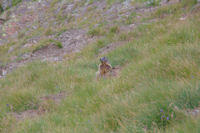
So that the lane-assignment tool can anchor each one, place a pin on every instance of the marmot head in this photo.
(103, 60)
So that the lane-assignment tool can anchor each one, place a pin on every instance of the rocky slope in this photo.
(32, 25)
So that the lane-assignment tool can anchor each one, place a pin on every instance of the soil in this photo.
(43, 107)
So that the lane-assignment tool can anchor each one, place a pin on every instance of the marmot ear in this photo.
(102, 59)
(105, 59)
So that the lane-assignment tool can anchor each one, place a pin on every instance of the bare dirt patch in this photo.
(56, 97)
(110, 47)
(44, 106)
(193, 112)
(50, 52)
(3, 71)
(115, 71)
(74, 40)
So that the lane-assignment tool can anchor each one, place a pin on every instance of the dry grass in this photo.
(159, 79)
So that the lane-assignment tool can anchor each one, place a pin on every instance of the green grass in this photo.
(158, 82)
(20, 101)
(15, 2)
(114, 29)
(1, 9)
(96, 32)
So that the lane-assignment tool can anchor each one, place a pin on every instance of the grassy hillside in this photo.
(156, 90)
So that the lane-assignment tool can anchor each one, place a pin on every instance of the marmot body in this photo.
(105, 69)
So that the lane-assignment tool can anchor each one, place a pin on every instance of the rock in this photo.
(26, 56)
(126, 3)
(164, 2)
(34, 27)
(4, 35)
(3, 71)
(132, 25)
(173, 1)
(13, 58)
(27, 45)
(1, 42)
(10, 49)
(183, 18)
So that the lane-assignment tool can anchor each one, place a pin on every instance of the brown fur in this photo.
(105, 69)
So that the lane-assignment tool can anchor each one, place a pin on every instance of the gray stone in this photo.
(27, 45)
(132, 25)
(3, 71)
(10, 49)
(26, 56)
(164, 2)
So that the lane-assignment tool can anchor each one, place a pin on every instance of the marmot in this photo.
(105, 69)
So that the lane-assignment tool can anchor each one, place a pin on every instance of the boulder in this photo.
(3, 71)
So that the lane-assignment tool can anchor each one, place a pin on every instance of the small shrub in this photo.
(95, 32)
(46, 43)
(123, 37)
(48, 32)
(57, 43)
(130, 18)
(21, 35)
(114, 29)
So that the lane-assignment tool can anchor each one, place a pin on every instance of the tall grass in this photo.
(158, 81)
